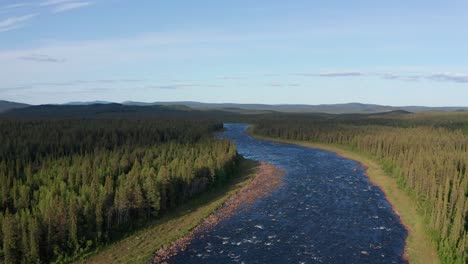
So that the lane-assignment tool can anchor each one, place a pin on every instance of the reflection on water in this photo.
(325, 212)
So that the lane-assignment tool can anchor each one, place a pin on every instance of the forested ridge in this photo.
(68, 185)
(427, 154)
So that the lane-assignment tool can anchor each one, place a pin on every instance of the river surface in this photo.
(326, 211)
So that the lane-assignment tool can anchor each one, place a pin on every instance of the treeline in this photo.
(32, 140)
(429, 161)
(69, 185)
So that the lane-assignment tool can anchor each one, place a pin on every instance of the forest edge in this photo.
(255, 180)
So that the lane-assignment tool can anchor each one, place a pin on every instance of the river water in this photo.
(326, 211)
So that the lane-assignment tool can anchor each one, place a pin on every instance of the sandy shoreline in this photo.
(267, 179)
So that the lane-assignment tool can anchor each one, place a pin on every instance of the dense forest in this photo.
(76, 177)
(427, 153)
(69, 183)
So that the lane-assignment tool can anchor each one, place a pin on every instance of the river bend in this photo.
(326, 211)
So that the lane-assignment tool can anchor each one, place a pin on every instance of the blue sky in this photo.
(299, 51)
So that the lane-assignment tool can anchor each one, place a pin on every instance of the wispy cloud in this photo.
(449, 77)
(178, 86)
(53, 6)
(278, 84)
(333, 74)
(91, 55)
(441, 77)
(59, 6)
(169, 87)
(390, 76)
(6, 29)
(107, 84)
(15, 89)
(15, 22)
(270, 75)
(393, 76)
(67, 6)
(340, 74)
(232, 78)
(41, 58)
(71, 83)
(15, 6)
(81, 82)
(55, 2)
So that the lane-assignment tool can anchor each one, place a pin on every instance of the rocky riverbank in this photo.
(267, 179)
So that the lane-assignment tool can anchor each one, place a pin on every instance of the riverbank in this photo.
(418, 248)
(174, 231)
(267, 179)
(140, 246)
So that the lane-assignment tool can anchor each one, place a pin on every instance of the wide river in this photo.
(326, 211)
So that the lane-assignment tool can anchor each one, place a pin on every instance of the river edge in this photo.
(140, 246)
(267, 178)
(418, 246)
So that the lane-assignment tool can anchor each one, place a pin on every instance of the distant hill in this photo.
(88, 103)
(113, 110)
(349, 108)
(6, 105)
(357, 108)
(93, 111)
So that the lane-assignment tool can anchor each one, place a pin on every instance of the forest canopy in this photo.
(70, 183)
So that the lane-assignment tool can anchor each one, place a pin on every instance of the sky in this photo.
(396, 52)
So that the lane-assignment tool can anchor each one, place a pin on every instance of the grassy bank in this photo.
(419, 248)
(140, 246)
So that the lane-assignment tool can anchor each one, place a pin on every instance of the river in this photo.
(326, 211)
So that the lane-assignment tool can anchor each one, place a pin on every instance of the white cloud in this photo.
(54, 6)
(146, 47)
(171, 86)
(74, 83)
(15, 22)
(69, 6)
(59, 6)
(5, 29)
(340, 74)
(158, 52)
(41, 58)
(333, 74)
(94, 86)
(441, 77)
(278, 84)
(401, 77)
(450, 77)
(232, 78)
(15, 6)
(55, 2)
